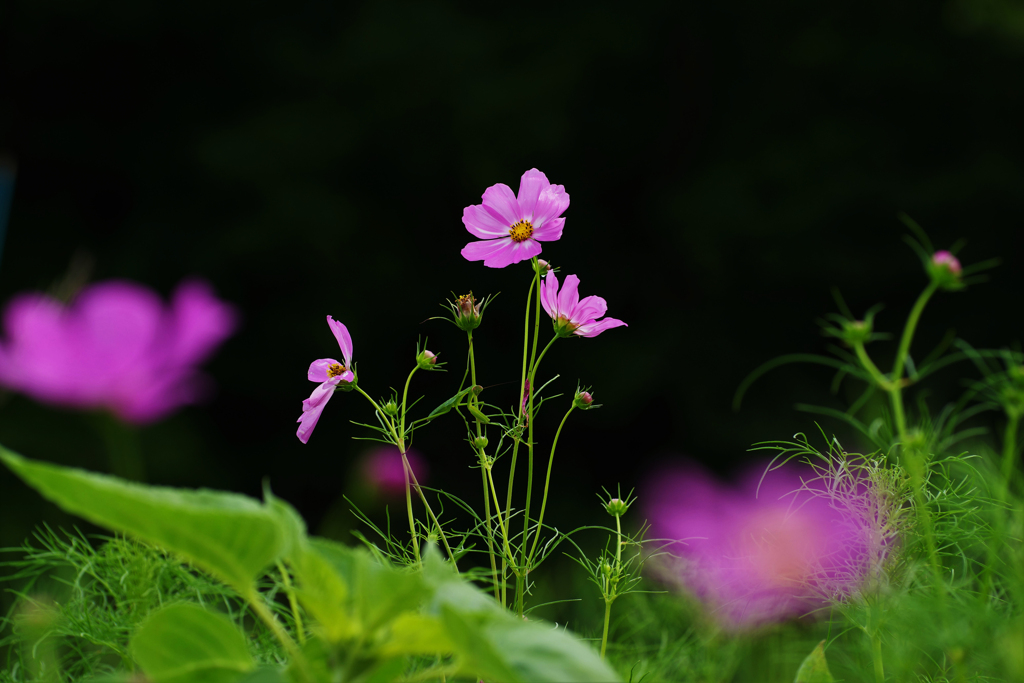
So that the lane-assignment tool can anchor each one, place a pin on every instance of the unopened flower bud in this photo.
(543, 267)
(616, 507)
(857, 331)
(480, 442)
(391, 408)
(468, 311)
(945, 269)
(584, 401)
(426, 360)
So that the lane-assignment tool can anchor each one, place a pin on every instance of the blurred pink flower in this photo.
(755, 556)
(570, 315)
(945, 258)
(383, 469)
(512, 226)
(116, 346)
(330, 373)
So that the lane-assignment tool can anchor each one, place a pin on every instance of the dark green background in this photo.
(728, 162)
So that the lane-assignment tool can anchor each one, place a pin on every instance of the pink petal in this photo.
(549, 294)
(590, 308)
(551, 204)
(307, 421)
(531, 185)
(520, 251)
(569, 296)
(502, 203)
(199, 322)
(483, 224)
(549, 231)
(318, 369)
(322, 393)
(478, 251)
(344, 339)
(595, 328)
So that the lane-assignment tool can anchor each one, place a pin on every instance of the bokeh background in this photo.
(728, 163)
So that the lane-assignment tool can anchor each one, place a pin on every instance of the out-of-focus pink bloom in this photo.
(116, 346)
(570, 314)
(329, 373)
(384, 471)
(755, 556)
(513, 226)
(945, 258)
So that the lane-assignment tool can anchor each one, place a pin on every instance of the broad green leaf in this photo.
(185, 643)
(377, 593)
(496, 645)
(264, 674)
(815, 668)
(449, 404)
(231, 536)
(324, 594)
(416, 634)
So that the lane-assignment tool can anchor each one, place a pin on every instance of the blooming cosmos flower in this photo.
(571, 315)
(513, 226)
(116, 346)
(761, 551)
(330, 374)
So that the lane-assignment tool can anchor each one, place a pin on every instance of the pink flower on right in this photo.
(571, 315)
(761, 551)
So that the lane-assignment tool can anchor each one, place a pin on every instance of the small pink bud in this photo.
(945, 258)
(543, 267)
(426, 360)
(584, 401)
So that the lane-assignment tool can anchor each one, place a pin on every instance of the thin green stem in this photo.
(547, 484)
(535, 364)
(908, 330)
(483, 475)
(255, 601)
(426, 505)
(607, 619)
(618, 544)
(501, 522)
(286, 579)
(405, 397)
(1002, 493)
(1009, 453)
(876, 657)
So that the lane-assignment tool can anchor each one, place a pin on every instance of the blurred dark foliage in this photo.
(727, 162)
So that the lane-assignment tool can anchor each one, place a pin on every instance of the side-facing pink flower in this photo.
(116, 346)
(329, 373)
(513, 226)
(570, 314)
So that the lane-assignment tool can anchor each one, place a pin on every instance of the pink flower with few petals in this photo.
(570, 314)
(513, 226)
(116, 346)
(330, 374)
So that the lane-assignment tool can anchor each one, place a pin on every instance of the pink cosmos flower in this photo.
(329, 373)
(513, 226)
(383, 469)
(761, 551)
(116, 346)
(572, 315)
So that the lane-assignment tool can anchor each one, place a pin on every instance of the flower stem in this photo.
(483, 475)
(547, 484)
(286, 579)
(255, 601)
(876, 657)
(607, 619)
(1009, 453)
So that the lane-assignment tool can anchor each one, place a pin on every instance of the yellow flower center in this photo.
(335, 369)
(521, 231)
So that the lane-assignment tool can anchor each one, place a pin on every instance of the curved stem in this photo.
(286, 579)
(908, 331)
(607, 618)
(547, 484)
(255, 601)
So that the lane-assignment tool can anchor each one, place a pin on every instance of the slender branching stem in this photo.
(483, 475)
(547, 485)
(607, 619)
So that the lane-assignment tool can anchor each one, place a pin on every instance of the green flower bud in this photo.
(945, 270)
(616, 507)
(391, 408)
(543, 267)
(480, 442)
(426, 360)
(584, 401)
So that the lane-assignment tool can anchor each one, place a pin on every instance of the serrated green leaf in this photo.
(814, 668)
(184, 643)
(231, 536)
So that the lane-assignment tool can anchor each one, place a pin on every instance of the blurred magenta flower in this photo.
(330, 374)
(116, 346)
(945, 258)
(383, 469)
(570, 315)
(758, 555)
(513, 226)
